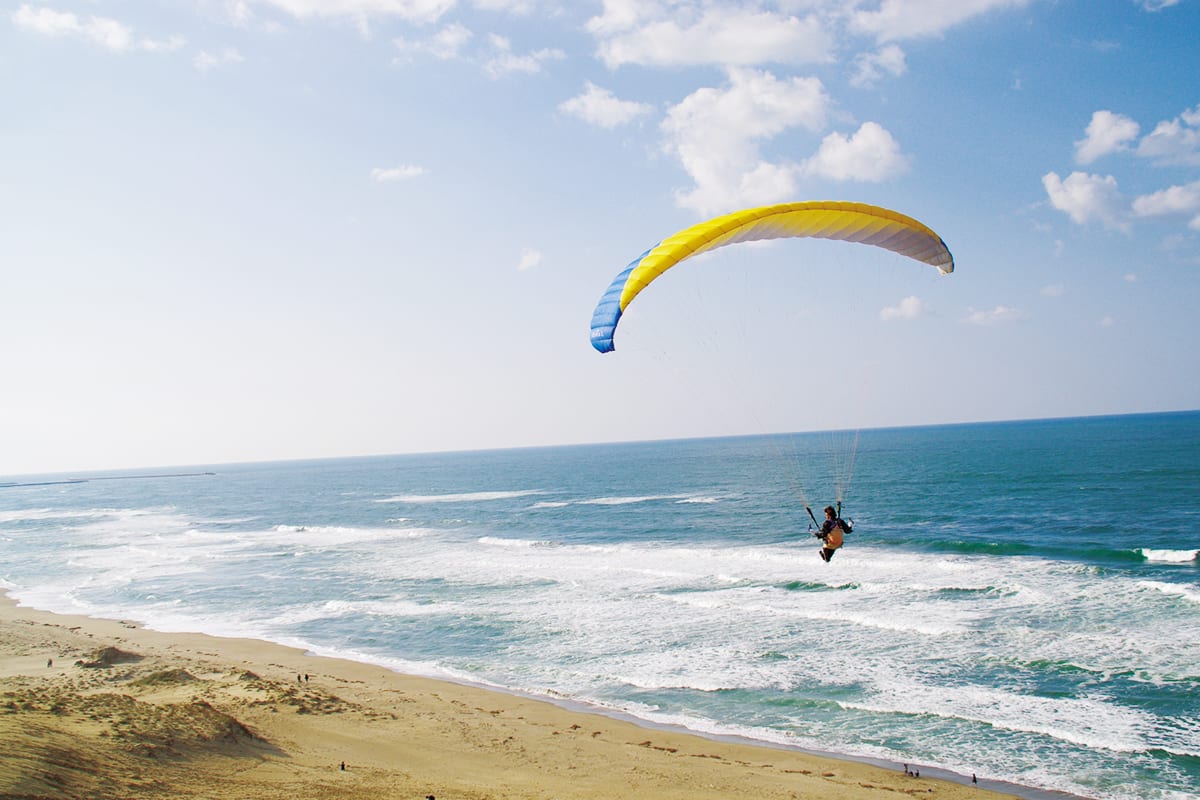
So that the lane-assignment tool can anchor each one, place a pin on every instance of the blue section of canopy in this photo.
(608, 310)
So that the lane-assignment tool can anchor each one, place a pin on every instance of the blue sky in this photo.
(268, 229)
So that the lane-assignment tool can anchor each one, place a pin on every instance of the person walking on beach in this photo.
(832, 533)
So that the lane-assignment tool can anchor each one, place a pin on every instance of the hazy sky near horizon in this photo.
(243, 230)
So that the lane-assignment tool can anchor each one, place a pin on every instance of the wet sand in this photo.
(93, 708)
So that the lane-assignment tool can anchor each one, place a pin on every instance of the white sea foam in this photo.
(39, 514)
(318, 530)
(1190, 593)
(499, 541)
(334, 534)
(1090, 722)
(630, 500)
(461, 497)
(1170, 556)
(334, 610)
(710, 727)
(130, 524)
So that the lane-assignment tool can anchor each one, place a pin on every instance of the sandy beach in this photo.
(94, 708)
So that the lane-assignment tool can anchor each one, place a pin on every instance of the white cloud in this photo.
(1053, 290)
(620, 15)
(497, 61)
(601, 107)
(444, 45)
(1091, 197)
(1130, 277)
(871, 154)
(362, 10)
(205, 61)
(238, 12)
(1106, 133)
(715, 134)
(651, 34)
(401, 173)
(910, 307)
(1172, 142)
(512, 6)
(998, 315)
(1086, 197)
(905, 19)
(530, 258)
(504, 61)
(870, 67)
(1175, 141)
(1171, 201)
(168, 45)
(1157, 5)
(107, 33)
(103, 31)
(1107, 321)
(449, 41)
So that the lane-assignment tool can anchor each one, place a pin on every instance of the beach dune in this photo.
(94, 708)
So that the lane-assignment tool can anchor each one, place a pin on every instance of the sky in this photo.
(253, 230)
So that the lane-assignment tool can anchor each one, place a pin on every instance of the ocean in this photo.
(1018, 600)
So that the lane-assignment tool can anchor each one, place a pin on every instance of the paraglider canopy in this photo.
(823, 219)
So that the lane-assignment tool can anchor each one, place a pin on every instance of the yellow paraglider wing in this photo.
(847, 222)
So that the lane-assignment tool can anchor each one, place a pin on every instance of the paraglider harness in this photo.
(838, 522)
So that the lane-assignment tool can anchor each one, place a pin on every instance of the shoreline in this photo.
(181, 708)
(986, 787)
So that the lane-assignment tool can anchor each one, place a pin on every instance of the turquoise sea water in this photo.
(1018, 600)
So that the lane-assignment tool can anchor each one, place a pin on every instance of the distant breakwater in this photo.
(63, 481)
